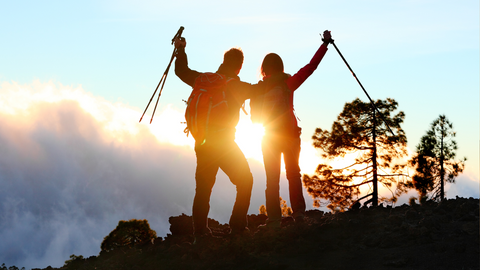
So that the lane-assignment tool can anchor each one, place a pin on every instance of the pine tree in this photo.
(359, 129)
(434, 161)
(128, 234)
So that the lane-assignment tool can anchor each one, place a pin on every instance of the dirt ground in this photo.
(430, 236)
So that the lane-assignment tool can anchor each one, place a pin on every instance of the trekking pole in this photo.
(164, 77)
(355, 76)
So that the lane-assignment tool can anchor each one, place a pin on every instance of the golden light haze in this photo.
(118, 124)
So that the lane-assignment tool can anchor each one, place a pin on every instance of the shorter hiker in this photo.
(214, 134)
(274, 110)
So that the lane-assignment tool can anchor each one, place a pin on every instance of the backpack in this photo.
(207, 108)
(270, 106)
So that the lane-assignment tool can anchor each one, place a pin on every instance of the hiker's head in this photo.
(233, 60)
(272, 63)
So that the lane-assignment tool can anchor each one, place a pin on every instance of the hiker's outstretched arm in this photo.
(296, 80)
(302, 75)
(182, 70)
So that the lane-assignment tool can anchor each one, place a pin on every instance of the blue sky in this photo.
(422, 53)
(108, 56)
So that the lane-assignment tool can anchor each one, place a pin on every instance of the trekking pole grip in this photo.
(331, 39)
(178, 34)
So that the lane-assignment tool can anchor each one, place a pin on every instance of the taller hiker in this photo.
(215, 145)
(274, 110)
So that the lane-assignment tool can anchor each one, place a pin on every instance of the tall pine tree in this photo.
(359, 129)
(434, 161)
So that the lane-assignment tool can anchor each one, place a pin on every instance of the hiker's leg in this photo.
(205, 174)
(235, 166)
(272, 161)
(291, 156)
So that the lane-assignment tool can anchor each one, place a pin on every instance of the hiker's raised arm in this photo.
(296, 80)
(182, 70)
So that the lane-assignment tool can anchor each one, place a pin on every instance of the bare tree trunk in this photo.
(442, 171)
(374, 160)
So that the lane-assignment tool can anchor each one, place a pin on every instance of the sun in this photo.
(249, 138)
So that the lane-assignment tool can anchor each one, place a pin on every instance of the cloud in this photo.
(73, 165)
(466, 185)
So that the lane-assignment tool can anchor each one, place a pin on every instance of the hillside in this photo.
(430, 236)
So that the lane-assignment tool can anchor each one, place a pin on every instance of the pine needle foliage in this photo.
(359, 129)
(435, 162)
(127, 234)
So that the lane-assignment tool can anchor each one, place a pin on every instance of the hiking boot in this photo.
(239, 232)
(300, 219)
(301, 222)
(270, 225)
(200, 239)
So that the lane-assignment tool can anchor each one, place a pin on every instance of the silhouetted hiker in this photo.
(274, 110)
(215, 148)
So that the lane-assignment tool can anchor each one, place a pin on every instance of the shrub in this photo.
(127, 234)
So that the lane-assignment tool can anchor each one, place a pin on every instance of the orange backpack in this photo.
(207, 107)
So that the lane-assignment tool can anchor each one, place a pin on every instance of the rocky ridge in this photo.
(430, 236)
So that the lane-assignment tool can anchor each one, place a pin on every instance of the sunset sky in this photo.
(75, 78)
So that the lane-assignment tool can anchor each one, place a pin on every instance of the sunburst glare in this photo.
(249, 138)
